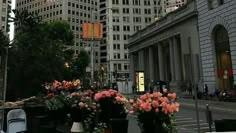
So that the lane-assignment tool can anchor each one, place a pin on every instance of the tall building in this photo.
(121, 19)
(75, 12)
(5, 9)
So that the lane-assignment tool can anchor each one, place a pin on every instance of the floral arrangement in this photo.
(157, 108)
(58, 93)
(112, 95)
(111, 105)
(83, 108)
(64, 85)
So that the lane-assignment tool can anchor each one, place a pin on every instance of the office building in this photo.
(5, 9)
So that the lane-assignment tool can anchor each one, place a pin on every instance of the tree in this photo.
(4, 41)
(81, 63)
(38, 56)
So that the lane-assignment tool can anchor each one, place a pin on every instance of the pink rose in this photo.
(97, 96)
(107, 94)
(157, 110)
(155, 104)
(131, 112)
(74, 94)
(164, 90)
(131, 100)
(81, 104)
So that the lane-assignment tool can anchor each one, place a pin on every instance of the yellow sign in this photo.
(140, 81)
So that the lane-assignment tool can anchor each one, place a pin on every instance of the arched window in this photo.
(223, 58)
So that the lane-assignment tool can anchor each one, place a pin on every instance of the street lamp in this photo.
(5, 82)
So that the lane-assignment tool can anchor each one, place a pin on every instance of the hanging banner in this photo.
(91, 30)
(140, 81)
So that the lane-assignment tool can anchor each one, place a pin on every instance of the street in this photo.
(186, 118)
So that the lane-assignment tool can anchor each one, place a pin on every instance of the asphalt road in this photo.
(186, 119)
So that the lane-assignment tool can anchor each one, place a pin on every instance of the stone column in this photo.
(141, 60)
(132, 70)
(172, 65)
(160, 56)
(151, 63)
(177, 59)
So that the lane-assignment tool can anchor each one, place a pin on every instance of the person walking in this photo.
(206, 91)
(190, 91)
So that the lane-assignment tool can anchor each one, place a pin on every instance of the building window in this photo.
(137, 19)
(115, 11)
(116, 37)
(126, 28)
(115, 19)
(119, 66)
(126, 56)
(116, 28)
(126, 10)
(214, 3)
(136, 2)
(220, 2)
(125, 2)
(126, 66)
(126, 19)
(115, 2)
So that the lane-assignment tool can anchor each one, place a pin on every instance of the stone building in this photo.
(5, 9)
(217, 33)
(168, 50)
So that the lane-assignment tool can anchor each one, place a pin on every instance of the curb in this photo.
(211, 108)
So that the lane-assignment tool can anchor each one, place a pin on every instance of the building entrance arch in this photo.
(223, 58)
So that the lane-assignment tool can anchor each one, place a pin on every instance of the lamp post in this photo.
(5, 83)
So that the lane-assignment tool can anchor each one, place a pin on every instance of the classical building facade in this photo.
(217, 32)
(121, 19)
(168, 50)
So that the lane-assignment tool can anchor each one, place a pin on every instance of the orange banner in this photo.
(92, 30)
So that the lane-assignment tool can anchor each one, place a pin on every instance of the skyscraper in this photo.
(121, 19)
(5, 9)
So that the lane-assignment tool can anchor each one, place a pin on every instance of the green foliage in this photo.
(38, 55)
(4, 41)
(60, 30)
(55, 103)
(81, 63)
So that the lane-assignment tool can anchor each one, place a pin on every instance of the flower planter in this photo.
(150, 123)
(53, 115)
(119, 125)
(77, 116)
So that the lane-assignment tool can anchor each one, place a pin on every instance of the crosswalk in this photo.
(189, 125)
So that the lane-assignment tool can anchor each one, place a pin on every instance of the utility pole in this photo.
(92, 43)
(5, 84)
(195, 90)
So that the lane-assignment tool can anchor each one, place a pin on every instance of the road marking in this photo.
(194, 124)
(179, 116)
(205, 128)
(188, 121)
(183, 119)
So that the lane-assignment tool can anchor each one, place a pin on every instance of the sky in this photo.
(11, 24)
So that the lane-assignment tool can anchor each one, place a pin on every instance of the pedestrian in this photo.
(206, 90)
(190, 91)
